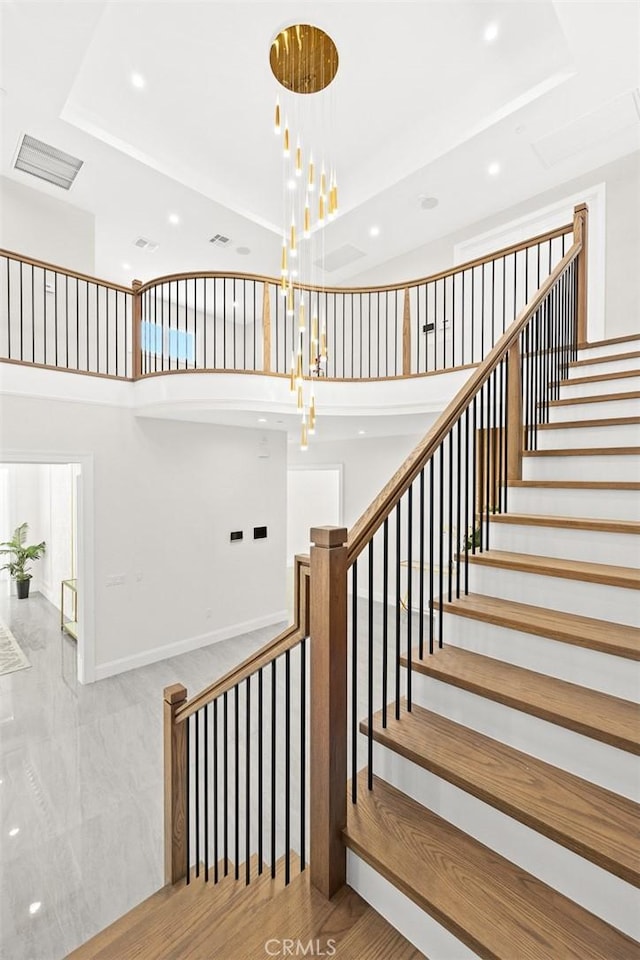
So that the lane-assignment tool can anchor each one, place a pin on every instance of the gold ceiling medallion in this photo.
(303, 58)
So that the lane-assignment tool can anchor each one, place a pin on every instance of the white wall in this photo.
(367, 464)
(166, 497)
(622, 182)
(46, 228)
(313, 499)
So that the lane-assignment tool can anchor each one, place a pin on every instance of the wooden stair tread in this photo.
(584, 452)
(589, 712)
(631, 355)
(494, 907)
(627, 338)
(601, 422)
(599, 377)
(593, 822)
(604, 573)
(568, 523)
(374, 938)
(153, 935)
(595, 398)
(616, 639)
(579, 484)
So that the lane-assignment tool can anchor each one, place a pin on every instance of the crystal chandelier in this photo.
(304, 60)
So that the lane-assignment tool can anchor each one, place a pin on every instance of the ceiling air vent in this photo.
(142, 243)
(219, 240)
(47, 162)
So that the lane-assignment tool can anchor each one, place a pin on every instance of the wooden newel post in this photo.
(136, 330)
(176, 765)
(515, 431)
(581, 233)
(328, 709)
(266, 329)
(406, 335)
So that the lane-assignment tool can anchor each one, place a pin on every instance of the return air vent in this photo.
(47, 163)
(219, 240)
(142, 243)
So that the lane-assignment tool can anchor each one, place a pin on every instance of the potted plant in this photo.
(20, 555)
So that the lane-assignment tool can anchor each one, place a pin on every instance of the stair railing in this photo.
(433, 516)
(237, 791)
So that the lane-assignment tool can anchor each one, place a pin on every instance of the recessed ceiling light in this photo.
(34, 907)
(294, 273)
(14, 831)
(491, 32)
(138, 81)
(126, 266)
(427, 203)
(291, 184)
(262, 419)
(361, 433)
(493, 169)
(374, 232)
(174, 219)
(243, 251)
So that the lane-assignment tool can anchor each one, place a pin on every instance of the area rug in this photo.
(11, 656)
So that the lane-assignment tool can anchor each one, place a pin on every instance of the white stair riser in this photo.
(604, 366)
(597, 600)
(604, 894)
(598, 387)
(616, 435)
(575, 502)
(614, 769)
(425, 933)
(608, 349)
(598, 410)
(625, 467)
(565, 661)
(622, 549)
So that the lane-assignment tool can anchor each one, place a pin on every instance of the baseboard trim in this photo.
(155, 654)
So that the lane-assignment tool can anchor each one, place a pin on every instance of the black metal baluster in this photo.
(398, 604)
(9, 307)
(303, 752)
(441, 547)
(421, 588)
(55, 318)
(450, 558)
(33, 316)
(462, 323)
(260, 771)
(466, 503)
(205, 755)
(504, 294)
(196, 784)
(453, 319)
(187, 806)
(215, 790)
(488, 459)
(444, 323)
(472, 352)
(354, 682)
(457, 545)
(236, 776)
(409, 592)
(247, 783)
(474, 488)
(273, 768)
(481, 357)
(431, 515)
(287, 767)
(385, 617)
(370, 672)
(66, 316)
(225, 780)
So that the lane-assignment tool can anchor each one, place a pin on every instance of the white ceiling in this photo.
(422, 104)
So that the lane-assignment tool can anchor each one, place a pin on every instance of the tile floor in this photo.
(81, 783)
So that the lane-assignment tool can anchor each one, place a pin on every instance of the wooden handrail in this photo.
(373, 517)
(262, 657)
(385, 288)
(56, 268)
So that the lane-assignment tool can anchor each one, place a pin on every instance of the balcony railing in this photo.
(56, 318)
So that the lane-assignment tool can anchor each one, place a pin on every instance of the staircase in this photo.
(502, 820)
